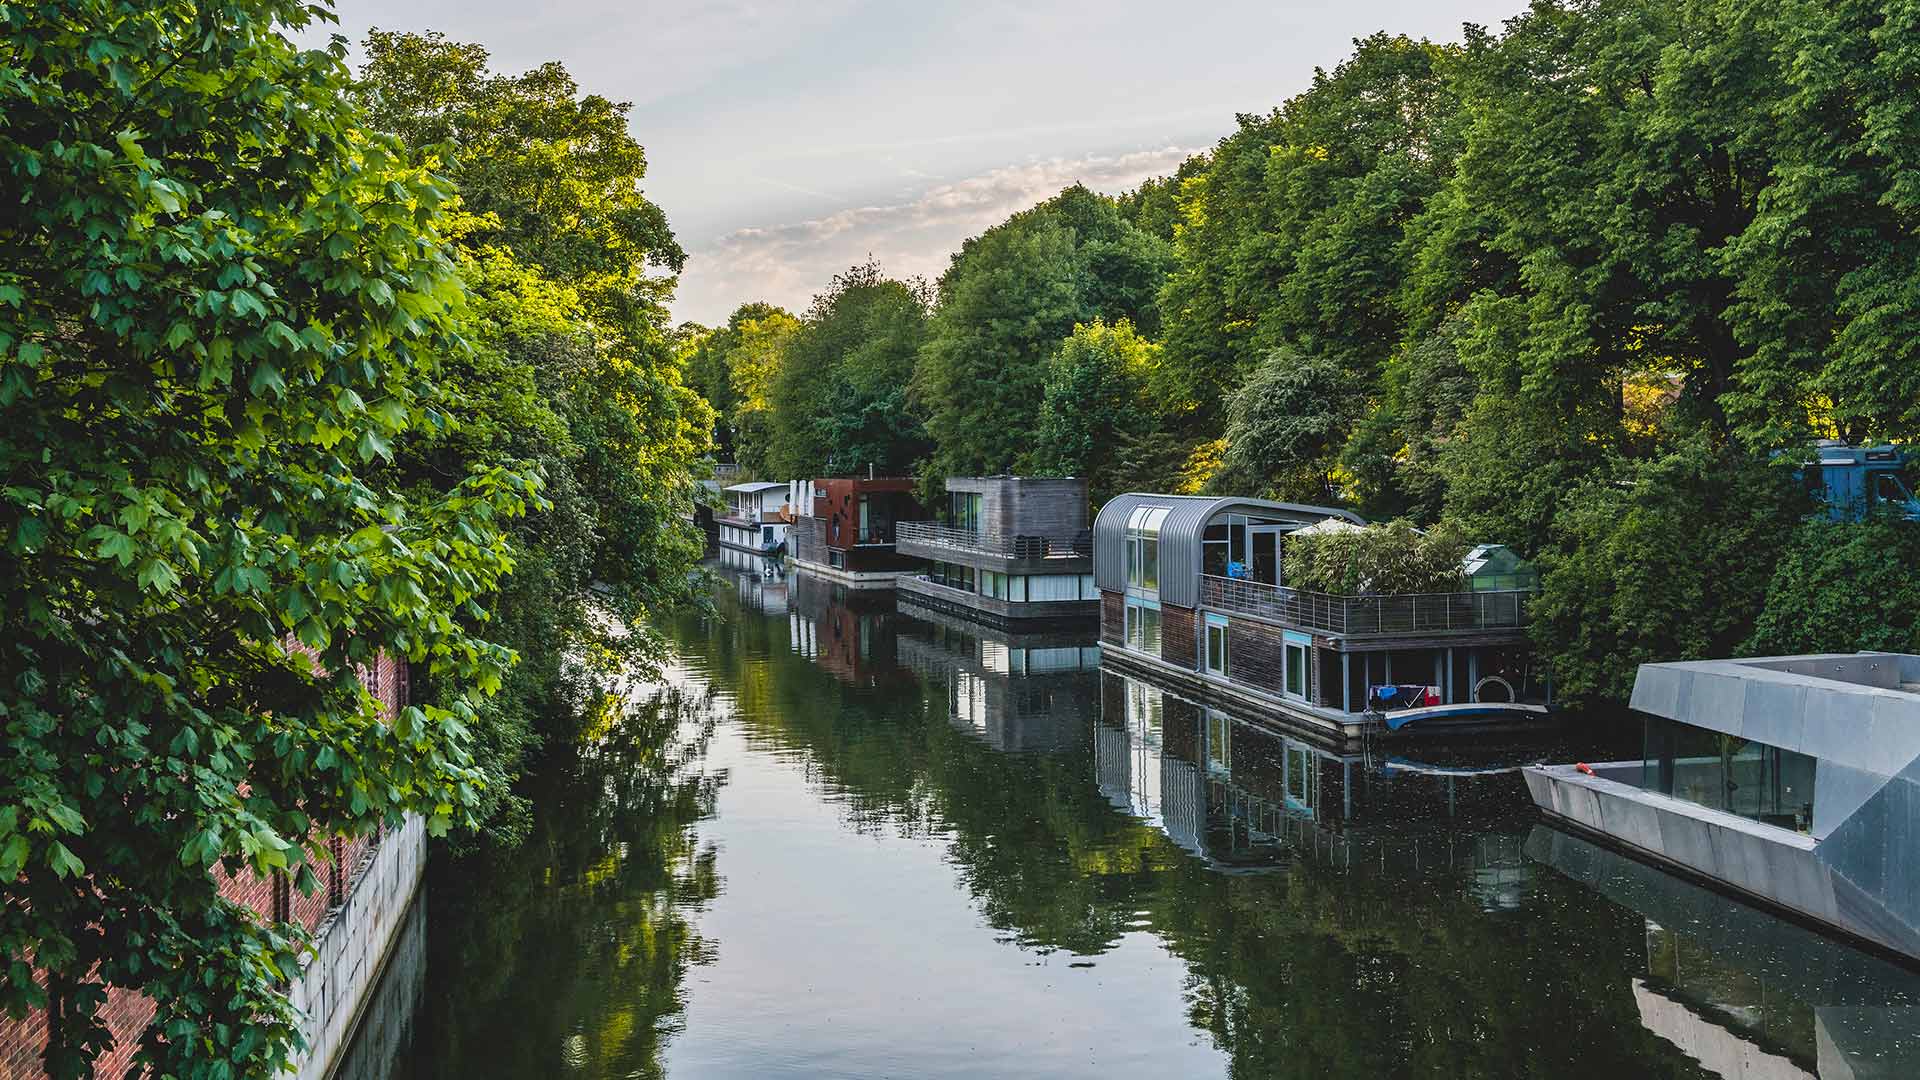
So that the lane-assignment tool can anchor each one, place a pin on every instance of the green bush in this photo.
(1842, 587)
(1391, 558)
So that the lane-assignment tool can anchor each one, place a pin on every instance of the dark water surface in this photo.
(845, 841)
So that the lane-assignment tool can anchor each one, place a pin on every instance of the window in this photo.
(1295, 653)
(1143, 626)
(1143, 547)
(1888, 489)
(865, 524)
(966, 510)
(1217, 645)
(1765, 783)
(766, 534)
(836, 559)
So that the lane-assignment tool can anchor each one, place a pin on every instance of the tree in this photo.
(1295, 232)
(223, 301)
(574, 368)
(734, 367)
(1286, 425)
(1670, 563)
(1006, 301)
(1095, 407)
(1842, 587)
(838, 400)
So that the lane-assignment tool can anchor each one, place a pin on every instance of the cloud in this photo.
(788, 264)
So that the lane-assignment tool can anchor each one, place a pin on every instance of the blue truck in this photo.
(1856, 481)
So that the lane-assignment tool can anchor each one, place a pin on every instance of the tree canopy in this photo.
(223, 303)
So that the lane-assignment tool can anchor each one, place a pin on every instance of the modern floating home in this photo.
(1013, 549)
(1192, 590)
(1792, 780)
(757, 517)
(843, 530)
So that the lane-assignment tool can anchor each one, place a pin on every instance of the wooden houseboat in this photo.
(1192, 590)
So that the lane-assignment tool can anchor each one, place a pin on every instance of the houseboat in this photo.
(1793, 781)
(846, 531)
(1013, 549)
(757, 517)
(1192, 591)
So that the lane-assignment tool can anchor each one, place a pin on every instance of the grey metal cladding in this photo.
(1181, 536)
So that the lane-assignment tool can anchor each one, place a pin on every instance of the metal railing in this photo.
(933, 534)
(1356, 616)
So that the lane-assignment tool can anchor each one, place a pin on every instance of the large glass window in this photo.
(1751, 779)
(966, 509)
(1143, 547)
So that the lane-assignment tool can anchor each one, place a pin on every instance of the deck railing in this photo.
(1358, 616)
(933, 534)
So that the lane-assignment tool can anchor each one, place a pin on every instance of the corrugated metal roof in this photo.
(1182, 535)
(756, 485)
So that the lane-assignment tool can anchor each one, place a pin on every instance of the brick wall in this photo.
(127, 1012)
(1176, 637)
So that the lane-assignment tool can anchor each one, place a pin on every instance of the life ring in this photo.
(1480, 687)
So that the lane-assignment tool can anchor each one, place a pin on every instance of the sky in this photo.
(789, 141)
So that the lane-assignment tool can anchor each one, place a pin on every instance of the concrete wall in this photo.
(352, 946)
(386, 1024)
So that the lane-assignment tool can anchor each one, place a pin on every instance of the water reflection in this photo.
(953, 851)
(1743, 992)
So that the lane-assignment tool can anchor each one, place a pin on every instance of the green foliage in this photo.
(1097, 412)
(573, 368)
(1006, 302)
(1393, 558)
(1295, 234)
(224, 304)
(734, 368)
(1285, 426)
(1842, 587)
(1670, 562)
(838, 399)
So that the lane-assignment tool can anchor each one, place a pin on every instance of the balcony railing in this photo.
(1362, 616)
(935, 535)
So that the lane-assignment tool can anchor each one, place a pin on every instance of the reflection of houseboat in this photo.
(1744, 993)
(845, 530)
(1792, 780)
(1014, 548)
(757, 517)
(1192, 588)
(1241, 795)
(848, 632)
(1020, 691)
(759, 581)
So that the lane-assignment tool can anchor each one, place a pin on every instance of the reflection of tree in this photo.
(1370, 970)
(572, 952)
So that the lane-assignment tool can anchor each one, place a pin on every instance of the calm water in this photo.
(843, 841)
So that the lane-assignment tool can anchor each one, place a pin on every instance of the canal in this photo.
(845, 840)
